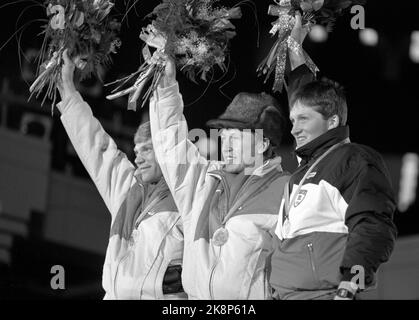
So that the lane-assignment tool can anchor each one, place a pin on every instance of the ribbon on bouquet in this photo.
(150, 69)
(277, 57)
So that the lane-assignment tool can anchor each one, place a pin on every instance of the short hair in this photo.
(326, 96)
(272, 151)
(143, 133)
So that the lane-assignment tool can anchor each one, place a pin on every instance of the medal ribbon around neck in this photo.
(289, 203)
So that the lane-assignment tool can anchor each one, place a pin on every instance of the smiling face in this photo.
(146, 162)
(308, 124)
(240, 149)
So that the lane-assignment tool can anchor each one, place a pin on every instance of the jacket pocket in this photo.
(307, 262)
(329, 249)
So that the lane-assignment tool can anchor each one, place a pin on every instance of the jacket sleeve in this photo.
(183, 168)
(298, 78)
(108, 167)
(369, 218)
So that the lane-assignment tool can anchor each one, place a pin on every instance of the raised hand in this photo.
(169, 76)
(298, 33)
(66, 86)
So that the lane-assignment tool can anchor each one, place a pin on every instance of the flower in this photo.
(96, 36)
(222, 24)
(78, 26)
(202, 48)
(58, 20)
(78, 18)
(311, 5)
(234, 13)
(80, 63)
(116, 44)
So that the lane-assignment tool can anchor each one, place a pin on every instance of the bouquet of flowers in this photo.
(85, 29)
(193, 32)
(321, 12)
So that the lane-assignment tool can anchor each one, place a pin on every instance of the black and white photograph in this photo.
(226, 150)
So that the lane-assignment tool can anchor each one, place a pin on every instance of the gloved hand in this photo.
(298, 33)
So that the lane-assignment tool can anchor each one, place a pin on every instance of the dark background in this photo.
(381, 84)
(380, 81)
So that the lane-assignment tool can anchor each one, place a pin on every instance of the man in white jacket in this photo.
(228, 208)
(144, 254)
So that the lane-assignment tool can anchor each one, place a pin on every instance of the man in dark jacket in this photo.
(335, 224)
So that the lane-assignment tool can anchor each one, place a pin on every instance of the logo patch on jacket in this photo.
(311, 175)
(300, 197)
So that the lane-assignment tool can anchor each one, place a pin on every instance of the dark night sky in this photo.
(381, 82)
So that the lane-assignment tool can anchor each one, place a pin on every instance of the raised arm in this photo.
(182, 165)
(300, 74)
(109, 168)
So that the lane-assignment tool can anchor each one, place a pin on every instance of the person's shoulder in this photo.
(281, 177)
(166, 204)
(360, 154)
(285, 174)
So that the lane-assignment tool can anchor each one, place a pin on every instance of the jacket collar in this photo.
(266, 167)
(149, 188)
(316, 147)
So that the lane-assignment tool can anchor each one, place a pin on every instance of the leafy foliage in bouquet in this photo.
(194, 33)
(322, 12)
(86, 30)
(197, 33)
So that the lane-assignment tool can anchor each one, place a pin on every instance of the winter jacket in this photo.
(145, 235)
(204, 193)
(341, 219)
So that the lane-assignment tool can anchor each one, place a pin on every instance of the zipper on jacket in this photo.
(221, 218)
(117, 270)
(210, 280)
(126, 256)
(313, 266)
(155, 258)
(211, 290)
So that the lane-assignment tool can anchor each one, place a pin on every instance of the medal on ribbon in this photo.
(220, 236)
